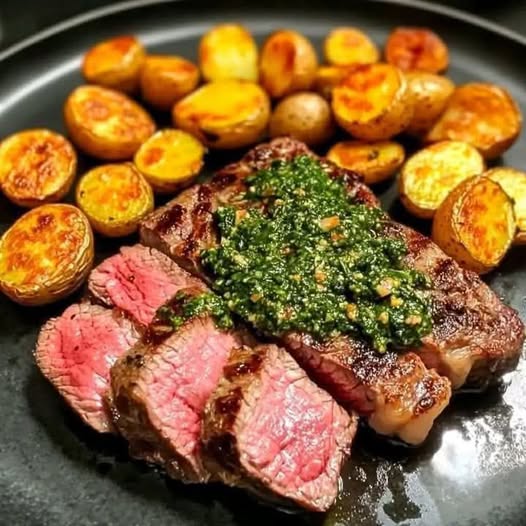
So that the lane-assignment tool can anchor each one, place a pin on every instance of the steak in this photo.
(270, 429)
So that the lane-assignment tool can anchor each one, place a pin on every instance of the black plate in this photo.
(54, 471)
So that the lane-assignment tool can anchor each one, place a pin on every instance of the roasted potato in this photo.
(328, 77)
(170, 160)
(430, 174)
(431, 94)
(373, 102)
(348, 45)
(114, 197)
(46, 254)
(305, 116)
(224, 114)
(287, 64)
(475, 224)
(485, 115)
(228, 51)
(166, 79)
(375, 161)
(416, 49)
(36, 166)
(513, 183)
(105, 123)
(115, 63)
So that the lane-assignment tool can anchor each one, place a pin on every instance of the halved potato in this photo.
(46, 254)
(431, 94)
(36, 166)
(328, 77)
(114, 197)
(514, 184)
(416, 49)
(115, 63)
(375, 161)
(105, 123)
(348, 45)
(170, 160)
(288, 63)
(430, 174)
(475, 224)
(373, 102)
(224, 114)
(228, 51)
(485, 115)
(166, 79)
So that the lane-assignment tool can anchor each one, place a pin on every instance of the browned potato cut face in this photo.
(46, 254)
(328, 77)
(348, 45)
(115, 63)
(224, 114)
(114, 197)
(430, 174)
(228, 51)
(376, 162)
(166, 79)
(170, 160)
(36, 166)
(484, 115)
(105, 123)
(475, 224)
(416, 49)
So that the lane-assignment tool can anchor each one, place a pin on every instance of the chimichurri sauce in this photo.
(306, 258)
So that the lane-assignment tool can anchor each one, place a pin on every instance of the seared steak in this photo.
(269, 428)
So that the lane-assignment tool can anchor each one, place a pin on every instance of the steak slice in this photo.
(75, 352)
(270, 429)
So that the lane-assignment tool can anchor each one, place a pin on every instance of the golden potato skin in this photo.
(375, 161)
(416, 49)
(228, 51)
(288, 63)
(224, 114)
(115, 63)
(106, 124)
(344, 46)
(36, 166)
(165, 79)
(373, 102)
(170, 160)
(430, 174)
(305, 116)
(328, 77)
(114, 197)
(485, 115)
(475, 224)
(46, 254)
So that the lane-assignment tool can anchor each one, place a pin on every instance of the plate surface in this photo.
(54, 471)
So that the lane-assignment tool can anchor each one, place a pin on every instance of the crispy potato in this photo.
(431, 94)
(115, 63)
(105, 123)
(46, 254)
(328, 77)
(416, 49)
(375, 161)
(166, 79)
(224, 114)
(348, 45)
(305, 116)
(36, 166)
(287, 64)
(114, 197)
(430, 174)
(170, 160)
(485, 115)
(475, 224)
(373, 102)
(228, 51)
(514, 184)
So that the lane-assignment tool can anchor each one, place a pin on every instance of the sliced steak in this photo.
(269, 428)
(75, 352)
